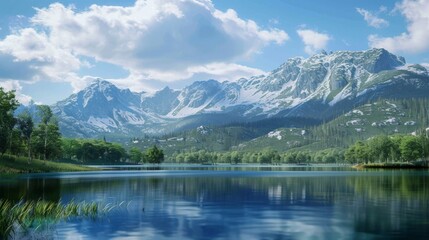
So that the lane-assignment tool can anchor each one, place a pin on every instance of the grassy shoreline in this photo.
(394, 165)
(10, 165)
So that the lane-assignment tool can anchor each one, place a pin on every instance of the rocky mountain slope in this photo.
(321, 86)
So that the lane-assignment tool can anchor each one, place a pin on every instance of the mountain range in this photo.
(319, 87)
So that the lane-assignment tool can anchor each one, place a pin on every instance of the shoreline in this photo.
(396, 165)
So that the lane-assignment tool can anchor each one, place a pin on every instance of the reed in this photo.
(29, 214)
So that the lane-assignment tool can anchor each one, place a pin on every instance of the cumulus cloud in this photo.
(165, 40)
(10, 85)
(28, 55)
(372, 19)
(227, 71)
(157, 36)
(313, 40)
(415, 40)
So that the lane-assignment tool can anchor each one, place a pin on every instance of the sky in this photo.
(51, 49)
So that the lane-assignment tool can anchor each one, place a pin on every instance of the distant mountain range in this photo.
(319, 87)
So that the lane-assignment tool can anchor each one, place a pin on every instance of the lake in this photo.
(235, 202)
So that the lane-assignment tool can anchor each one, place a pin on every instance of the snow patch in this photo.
(130, 118)
(358, 112)
(202, 130)
(104, 123)
(390, 121)
(275, 134)
(354, 122)
(392, 104)
(410, 123)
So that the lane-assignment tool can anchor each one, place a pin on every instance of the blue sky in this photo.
(50, 49)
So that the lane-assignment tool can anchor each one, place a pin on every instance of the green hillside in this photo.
(383, 117)
(215, 139)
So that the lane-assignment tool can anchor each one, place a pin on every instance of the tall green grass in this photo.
(32, 214)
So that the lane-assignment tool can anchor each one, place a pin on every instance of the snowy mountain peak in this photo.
(317, 87)
(100, 85)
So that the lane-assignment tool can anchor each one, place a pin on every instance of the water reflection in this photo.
(31, 189)
(222, 205)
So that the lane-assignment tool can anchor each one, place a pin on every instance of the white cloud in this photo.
(228, 72)
(372, 19)
(155, 40)
(313, 40)
(415, 40)
(166, 40)
(10, 85)
(31, 56)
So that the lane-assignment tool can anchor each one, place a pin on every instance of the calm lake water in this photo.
(223, 202)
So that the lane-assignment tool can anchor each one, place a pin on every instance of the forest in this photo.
(379, 149)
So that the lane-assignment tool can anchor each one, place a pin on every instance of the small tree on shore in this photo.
(154, 155)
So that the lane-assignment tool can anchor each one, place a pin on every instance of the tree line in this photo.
(382, 149)
(101, 152)
(266, 156)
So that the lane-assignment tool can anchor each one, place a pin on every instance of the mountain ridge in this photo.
(320, 86)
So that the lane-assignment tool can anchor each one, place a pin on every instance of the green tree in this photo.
(46, 140)
(380, 148)
(8, 104)
(155, 155)
(359, 152)
(135, 155)
(70, 148)
(411, 148)
(112, 153)
(25, 126)
(235, 157)
(16, 145)
(45, 114)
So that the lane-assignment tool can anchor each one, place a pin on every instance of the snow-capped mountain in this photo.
(317, 87)
(102, 107)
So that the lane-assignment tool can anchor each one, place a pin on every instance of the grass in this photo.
(13, 165)
(33, 214)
